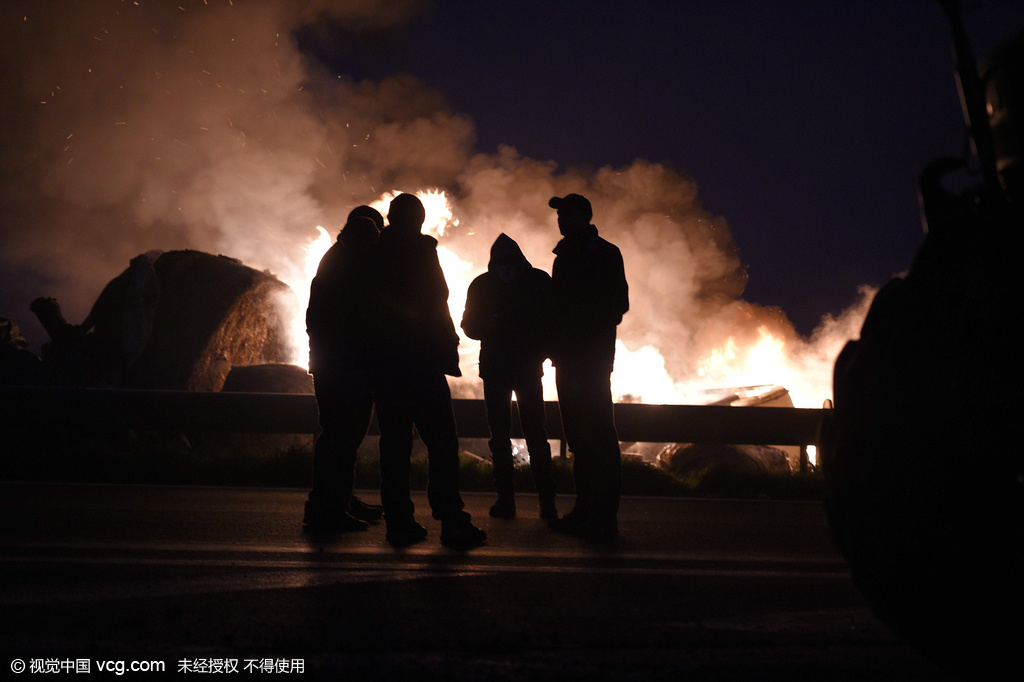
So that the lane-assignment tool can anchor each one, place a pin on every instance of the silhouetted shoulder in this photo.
(603, 245)
(538, 275)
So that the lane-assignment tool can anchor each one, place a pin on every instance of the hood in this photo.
(507, 259)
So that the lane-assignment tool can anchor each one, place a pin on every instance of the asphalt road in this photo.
(692, 589)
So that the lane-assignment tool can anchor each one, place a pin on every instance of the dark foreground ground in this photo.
(692, 590)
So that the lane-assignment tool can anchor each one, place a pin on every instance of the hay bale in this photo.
(273, 378)
(686, 459)
(765, 396)
(268, 378)
(213, 313)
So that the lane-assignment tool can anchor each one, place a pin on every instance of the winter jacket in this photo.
(339, 313)
(589, 296)
(412, 325)
(508, 310)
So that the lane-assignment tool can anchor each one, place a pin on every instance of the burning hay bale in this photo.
(685, 459)
(177, 320)
(767, 396)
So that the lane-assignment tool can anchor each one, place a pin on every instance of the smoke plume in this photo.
(132, 126)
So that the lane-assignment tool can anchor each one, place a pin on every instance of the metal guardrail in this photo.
(52, 408)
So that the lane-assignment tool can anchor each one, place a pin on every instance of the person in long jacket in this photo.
(590, 296)
(507, 309)
(338, 324)
(416, 346)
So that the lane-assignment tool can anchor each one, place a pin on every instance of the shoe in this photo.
(320, 520)
(461, 534)
(403, 533)
(587, 527)
(363, 511)
(548, 511)
(565, 525)
(503, 509)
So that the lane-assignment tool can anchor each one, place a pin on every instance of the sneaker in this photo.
(322, 520)
(503, 509)
(403, 533)
(461, 534)
(363, 511)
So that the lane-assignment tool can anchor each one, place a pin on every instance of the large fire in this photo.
(730, 367)
(219, 137)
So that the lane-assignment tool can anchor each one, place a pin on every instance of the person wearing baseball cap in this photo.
(589, 297)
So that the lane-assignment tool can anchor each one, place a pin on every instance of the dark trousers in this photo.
(530, 402)
(585, 402)
(345, 400)
(422, 399)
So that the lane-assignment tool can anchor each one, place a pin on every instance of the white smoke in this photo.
(200, 124)
(132, 126)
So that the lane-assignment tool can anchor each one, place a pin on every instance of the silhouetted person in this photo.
(102, 349)
(64, 355)
(589, 295)
(507, 309)
(338, 324)
(416, 347)
(18, 366)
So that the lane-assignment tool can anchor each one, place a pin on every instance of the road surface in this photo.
(692, 590)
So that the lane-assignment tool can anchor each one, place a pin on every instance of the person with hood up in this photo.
(338, 322)
(416, 346)
(590, 296)
(507, 309)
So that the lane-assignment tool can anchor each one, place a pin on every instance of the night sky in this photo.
(804, 124)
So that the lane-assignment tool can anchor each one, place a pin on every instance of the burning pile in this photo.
(738, 353)
(220, 135)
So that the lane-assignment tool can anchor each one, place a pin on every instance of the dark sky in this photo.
(804, 124)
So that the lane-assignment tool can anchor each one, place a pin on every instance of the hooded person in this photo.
(507, 310)
(415, 347)
(338, 321)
